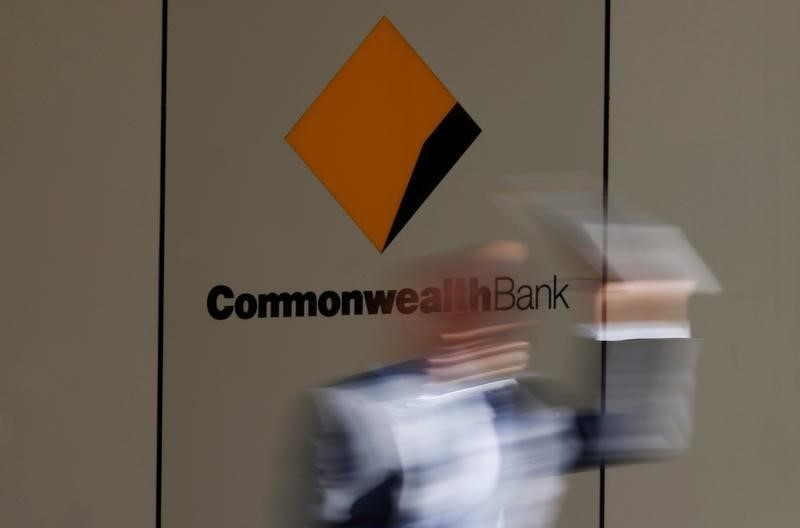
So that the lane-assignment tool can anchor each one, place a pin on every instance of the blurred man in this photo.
(455, 438)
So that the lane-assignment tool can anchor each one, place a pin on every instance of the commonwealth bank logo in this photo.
(383, 134)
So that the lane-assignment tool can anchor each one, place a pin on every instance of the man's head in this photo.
(467, 340)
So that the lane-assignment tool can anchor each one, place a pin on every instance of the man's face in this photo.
(471, 344)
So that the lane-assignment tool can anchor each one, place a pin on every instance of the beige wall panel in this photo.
(79, 145)
(244, 210)
(705, 112)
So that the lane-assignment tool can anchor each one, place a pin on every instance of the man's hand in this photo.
(643, 302)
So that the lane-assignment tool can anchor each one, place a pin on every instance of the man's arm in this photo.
(646, 409)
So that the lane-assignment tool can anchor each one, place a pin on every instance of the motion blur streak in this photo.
(459, 436)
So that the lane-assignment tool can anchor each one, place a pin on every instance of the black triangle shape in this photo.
(451, 138)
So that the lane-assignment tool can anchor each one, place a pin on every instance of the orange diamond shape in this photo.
(382, 134)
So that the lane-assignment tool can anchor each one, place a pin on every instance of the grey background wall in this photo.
(705, 127)
(79, 137)
(704, 130)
